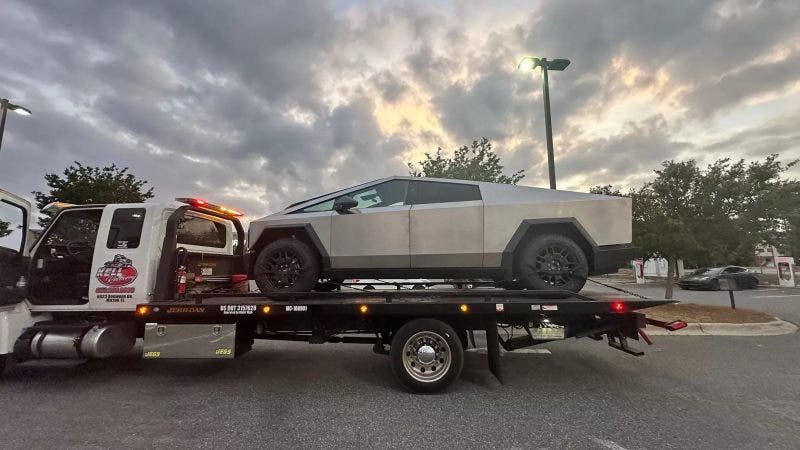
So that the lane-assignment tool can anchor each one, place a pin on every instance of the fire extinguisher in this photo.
(180, 273)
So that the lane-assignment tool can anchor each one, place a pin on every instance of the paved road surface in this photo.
(686, 392)
(690, 391)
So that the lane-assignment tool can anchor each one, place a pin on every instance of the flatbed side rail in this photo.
(390, 295)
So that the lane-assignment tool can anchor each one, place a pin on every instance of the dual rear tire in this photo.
(427, 355)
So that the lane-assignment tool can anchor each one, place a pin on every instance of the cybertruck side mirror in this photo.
(343, 204)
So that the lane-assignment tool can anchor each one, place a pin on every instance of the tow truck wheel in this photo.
(286, 265)
(427, 355)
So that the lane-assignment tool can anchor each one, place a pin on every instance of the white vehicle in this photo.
(407, 227)
(102, 261)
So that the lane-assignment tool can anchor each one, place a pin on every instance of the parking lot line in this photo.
(539, 351)
(776, 296)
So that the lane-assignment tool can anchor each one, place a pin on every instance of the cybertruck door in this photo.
(14, 214)
(446, 225)
(375, 234)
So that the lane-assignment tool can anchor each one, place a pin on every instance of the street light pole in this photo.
(551, 164)
(5, 105)
(529, 63)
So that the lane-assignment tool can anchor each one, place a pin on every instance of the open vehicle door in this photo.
(14, 231)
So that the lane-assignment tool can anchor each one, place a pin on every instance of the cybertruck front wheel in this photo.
(552, 261)
(286, 265)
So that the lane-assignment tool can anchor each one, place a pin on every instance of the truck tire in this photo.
(286, 265)
(426, 355)
(552, 261)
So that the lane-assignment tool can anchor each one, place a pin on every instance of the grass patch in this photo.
(693, 313)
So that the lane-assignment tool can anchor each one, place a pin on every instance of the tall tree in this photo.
(477, 162)
(791, 246)
(83, 185)
(713, 216)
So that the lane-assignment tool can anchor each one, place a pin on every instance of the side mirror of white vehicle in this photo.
(343, 204)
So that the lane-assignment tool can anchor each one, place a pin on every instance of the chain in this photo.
(617, 289)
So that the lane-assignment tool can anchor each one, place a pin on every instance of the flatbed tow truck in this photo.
(102, 276)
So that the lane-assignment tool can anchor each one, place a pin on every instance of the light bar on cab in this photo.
(202, 204)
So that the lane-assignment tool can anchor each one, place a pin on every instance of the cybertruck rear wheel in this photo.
(552, 261)
(286, 265)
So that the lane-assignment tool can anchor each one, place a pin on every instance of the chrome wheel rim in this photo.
(426, 356)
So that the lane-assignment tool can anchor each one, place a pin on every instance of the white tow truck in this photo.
(99, 277)
(81, 280)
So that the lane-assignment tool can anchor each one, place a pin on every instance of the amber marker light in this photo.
(464, 308)
(266, 309)
(363, 309)
(143, 310)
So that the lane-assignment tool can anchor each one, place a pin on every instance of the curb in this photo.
(775, 328)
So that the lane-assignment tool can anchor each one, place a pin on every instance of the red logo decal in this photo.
(117, 272)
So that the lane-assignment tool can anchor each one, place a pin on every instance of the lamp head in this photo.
(528, 63)
(21, 110)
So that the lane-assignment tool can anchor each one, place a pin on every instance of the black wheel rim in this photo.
(282, 268)
(556, 265)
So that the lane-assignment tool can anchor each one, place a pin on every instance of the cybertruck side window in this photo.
(390, 193)
(324, 206)
(425, 192)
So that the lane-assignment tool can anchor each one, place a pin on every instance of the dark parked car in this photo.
(708, 278)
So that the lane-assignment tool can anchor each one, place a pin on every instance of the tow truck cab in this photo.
(106, 259)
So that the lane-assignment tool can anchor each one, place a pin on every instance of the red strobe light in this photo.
(618, 306)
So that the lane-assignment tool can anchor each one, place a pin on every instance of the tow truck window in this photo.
(75, 226)
(202, 232)
(126, 228)
(11, 226)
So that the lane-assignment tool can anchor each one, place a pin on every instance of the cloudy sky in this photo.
(255, 104)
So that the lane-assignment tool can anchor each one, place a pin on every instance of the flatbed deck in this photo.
(381, 318)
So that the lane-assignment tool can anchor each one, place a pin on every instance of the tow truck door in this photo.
(61, 259)
(14, 217)
(125, 256)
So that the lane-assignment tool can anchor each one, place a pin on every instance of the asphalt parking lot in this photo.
(688, 391)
